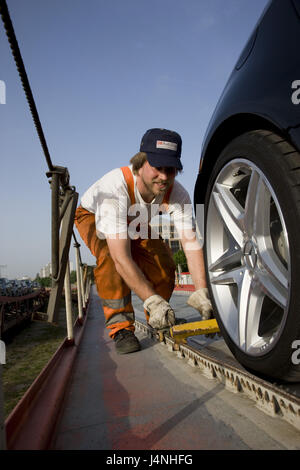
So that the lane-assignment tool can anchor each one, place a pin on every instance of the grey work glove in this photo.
(200, 301)
(161, 313)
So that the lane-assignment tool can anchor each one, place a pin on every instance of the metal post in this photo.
(68, 301)
(85, 283)
(88, 287)
(82, 286)
(179, 274)
(2, 422)
(55, 223)
(64, 245)
(78, 280)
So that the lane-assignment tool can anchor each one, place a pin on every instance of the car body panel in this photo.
(263, 90)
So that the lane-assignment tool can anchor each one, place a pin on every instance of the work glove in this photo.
(200, 301)
(161, 313)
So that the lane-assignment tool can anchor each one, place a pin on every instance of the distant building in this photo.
(166, 229)
(168, 233)
(46, 271)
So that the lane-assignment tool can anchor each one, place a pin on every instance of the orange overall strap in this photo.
(128, 176)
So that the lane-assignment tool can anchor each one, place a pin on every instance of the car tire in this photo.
(252, 252)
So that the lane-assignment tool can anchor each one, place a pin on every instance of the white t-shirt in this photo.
(109, 200)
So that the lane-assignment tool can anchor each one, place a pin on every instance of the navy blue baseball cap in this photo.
(163, 148)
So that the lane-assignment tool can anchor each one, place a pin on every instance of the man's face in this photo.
(155, 180)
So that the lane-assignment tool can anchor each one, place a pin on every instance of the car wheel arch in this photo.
(231, 128)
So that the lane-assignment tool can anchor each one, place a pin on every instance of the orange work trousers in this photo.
(153, 257)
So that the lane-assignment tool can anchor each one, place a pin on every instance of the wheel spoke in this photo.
(249, 305)
(232, 276)
(252, 203)
(262, 215)
(273, 288)
(229, 259)
(270, 261)
(230, 212)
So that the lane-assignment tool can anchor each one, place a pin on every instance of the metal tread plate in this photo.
(216, 362)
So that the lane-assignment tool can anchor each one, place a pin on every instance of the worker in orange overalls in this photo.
(113, 221)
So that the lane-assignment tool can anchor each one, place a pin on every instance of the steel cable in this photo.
(24, 79)
(64, 175)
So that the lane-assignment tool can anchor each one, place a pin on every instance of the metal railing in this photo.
(83, 280)
(2, 426)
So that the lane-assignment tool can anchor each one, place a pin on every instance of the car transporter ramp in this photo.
(191, 395)
(164, 397)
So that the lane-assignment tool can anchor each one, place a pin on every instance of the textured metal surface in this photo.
(271, 399)
(153, 400)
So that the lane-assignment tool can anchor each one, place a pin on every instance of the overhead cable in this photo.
(24, 79)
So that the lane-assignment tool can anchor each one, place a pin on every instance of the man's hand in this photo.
(200, 301)
(161, 313)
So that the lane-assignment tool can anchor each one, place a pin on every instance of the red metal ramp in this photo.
(153, 400)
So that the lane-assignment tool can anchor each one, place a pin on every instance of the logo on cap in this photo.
(162, 144)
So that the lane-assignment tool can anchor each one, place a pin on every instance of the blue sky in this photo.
(102, 72)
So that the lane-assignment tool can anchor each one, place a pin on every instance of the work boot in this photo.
(126, 342)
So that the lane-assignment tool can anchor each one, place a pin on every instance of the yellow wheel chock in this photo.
(205, 327)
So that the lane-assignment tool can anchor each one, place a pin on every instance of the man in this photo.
(113, 220)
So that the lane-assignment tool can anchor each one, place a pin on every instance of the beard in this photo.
(157, 187)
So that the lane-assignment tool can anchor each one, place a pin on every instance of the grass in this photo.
(27, 354)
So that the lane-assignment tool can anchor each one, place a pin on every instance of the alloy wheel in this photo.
(248, 257)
